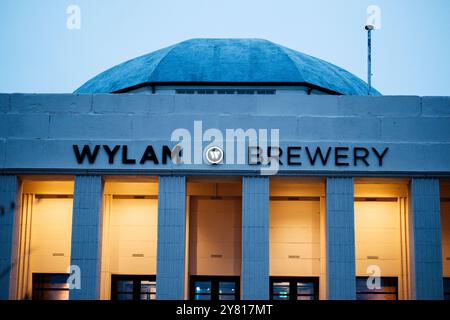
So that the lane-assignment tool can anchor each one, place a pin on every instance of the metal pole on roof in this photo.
(369, 29)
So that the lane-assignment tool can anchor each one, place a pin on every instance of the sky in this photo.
(40, 54)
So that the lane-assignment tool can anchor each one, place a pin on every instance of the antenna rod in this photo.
(369, 29)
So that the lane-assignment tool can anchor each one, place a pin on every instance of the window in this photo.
(48, 286)
(267, 91)
(205, 91)
(294, 288)
(225, 91)
(133, 287)
(184, 91)
(214, 288)
(245, 91)
(387, 291)
(446, 288)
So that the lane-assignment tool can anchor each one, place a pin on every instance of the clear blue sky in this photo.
(39, 54)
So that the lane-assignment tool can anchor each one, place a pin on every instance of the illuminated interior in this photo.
(44, 244)
(297, 243)
(214, 233)
(129, 237)
(381, 237)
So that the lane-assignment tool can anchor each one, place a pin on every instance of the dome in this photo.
(226, 62)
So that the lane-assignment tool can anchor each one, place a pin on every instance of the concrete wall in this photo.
(38, 131)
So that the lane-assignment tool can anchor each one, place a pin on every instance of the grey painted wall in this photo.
(37, 131)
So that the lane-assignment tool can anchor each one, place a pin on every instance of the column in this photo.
(255, 238)
(425, 240)
(340, 235)
(8, 195)
(171, 238)
(86, 236)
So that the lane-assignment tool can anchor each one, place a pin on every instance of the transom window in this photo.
(133, 287)
(214, 288)
(294, 288)
(388, 289)
(50, 286)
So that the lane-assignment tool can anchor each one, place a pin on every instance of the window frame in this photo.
(215, 281)
(368, 292)
(36, 290)
(446, 293)
(137, 288)
(293, 295)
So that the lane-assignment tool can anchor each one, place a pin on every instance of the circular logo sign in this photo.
(214, 155)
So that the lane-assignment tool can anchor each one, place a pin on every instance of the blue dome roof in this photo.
(226, 61)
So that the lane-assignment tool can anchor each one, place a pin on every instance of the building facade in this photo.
(223, 170)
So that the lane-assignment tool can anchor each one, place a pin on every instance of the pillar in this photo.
(255, 238)
(8, 196)
(425, 240)
(171, 238)
(340, 235)
(86, 236)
